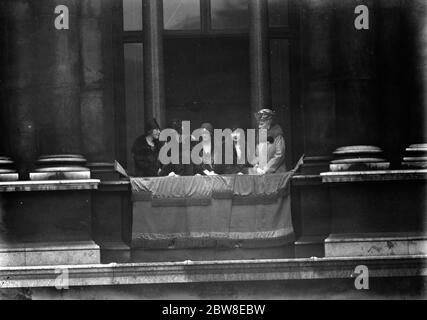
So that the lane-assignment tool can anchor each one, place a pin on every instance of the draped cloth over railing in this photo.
(212, 211)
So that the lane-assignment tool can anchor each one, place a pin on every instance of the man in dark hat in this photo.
(274, 148)
(145, 151)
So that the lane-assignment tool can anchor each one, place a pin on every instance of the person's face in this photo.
(235, 135)
(264, 124)
(206, 134)
(156, 134)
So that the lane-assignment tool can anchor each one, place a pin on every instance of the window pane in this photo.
(278, 11)
(132, 15)
(181, 14)
(229, 14)
(134, 85)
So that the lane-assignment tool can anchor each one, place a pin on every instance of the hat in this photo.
(207, 126)
(264, 114)
(150, 125)
(236, 125)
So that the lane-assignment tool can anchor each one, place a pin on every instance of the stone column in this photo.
(94, 98)
(3, 132)
(154, 91)
(415, 76)
(3, 114)
(319, 97)
(57, 70)
(20, 80)
(355, 76)
(259, 55)
(390, 67)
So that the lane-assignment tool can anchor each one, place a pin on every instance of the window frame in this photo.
(206, 30)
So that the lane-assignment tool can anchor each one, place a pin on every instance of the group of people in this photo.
(146, 150)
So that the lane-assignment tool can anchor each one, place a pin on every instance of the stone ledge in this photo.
(380, 244)
(125, 183)
(53, 185)
(114, 186)
(379, 236)
(306, 180)
(310, 239)
(214, 271)
(38, 254)
(365, 176)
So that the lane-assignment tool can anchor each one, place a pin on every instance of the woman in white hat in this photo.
(275, 146)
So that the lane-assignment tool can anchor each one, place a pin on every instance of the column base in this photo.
(49, 254)
(415, 157)
(61, 167)
(9, 176)
(358, 158)
(7, 170)
(375, 244)
(60, 175)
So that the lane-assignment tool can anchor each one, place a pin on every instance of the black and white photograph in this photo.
(213, 156)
